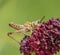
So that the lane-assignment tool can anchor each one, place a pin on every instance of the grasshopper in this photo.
(26, 27)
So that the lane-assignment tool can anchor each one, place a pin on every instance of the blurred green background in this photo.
(20, 11)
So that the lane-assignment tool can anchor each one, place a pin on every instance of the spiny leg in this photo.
(10, 33)
(14, 39)
(16, 32)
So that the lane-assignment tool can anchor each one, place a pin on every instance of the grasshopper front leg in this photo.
(16, 32)
(11, 33)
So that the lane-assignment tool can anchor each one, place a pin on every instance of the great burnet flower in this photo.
(44, 40)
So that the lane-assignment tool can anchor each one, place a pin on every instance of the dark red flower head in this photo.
(44, 40)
